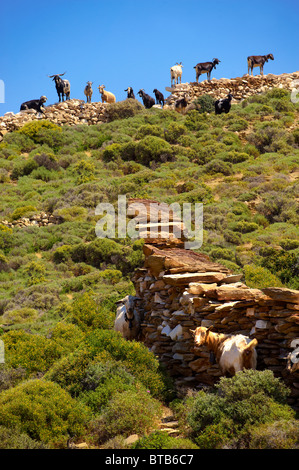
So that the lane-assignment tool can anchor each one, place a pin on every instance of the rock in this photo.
(186, 278)
(283, 294)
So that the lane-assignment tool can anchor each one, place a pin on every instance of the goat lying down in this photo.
(233, 352)
(127, 320)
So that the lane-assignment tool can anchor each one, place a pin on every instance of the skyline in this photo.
(132, 43)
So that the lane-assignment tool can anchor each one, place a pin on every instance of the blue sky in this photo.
(135, 42)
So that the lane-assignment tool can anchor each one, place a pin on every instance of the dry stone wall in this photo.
(239, 87)
(71, 113)
(75, 111)
(181, 290)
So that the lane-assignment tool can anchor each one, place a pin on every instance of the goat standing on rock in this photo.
(88, 92)
(159, 97)
(63, 87)
(127, 320)
(107, 96)
(148, 101)
(206, 67)
(258, 61)
(130, 93)
(224, 105)
(176, 73)
(233, 353)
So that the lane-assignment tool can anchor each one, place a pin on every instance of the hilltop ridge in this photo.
(76, 111)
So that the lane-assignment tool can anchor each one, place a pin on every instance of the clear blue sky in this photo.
(123, 43)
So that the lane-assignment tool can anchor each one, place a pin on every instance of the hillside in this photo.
(59, 282)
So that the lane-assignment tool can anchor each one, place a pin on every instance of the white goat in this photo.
(293, 357)
(233, 352)
(107, 96)
(176, 73)
(88, 92)
(127, 320)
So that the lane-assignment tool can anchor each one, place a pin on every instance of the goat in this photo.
(88, 92)
(63, 87)
(107, 96)
(258, 61)
(181, 104)
(127, 320)
(233, 352)
(206, 67)
(148, 101)
(130, 93)
(223, 105)
(34, 104)
(293, 357)
(176, 73)
(159, 97)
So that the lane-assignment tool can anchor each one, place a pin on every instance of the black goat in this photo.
(130, 93)
(148, 101)
(206, 67)
(159, 97)
(34, 104)
(62, 86)
(258, 61)
(223, 105)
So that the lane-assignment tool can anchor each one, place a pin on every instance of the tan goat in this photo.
(233, 352)
(88, 92)
(107, 96)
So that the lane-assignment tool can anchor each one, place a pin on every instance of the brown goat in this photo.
(233, 352)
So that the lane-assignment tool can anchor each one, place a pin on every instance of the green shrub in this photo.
(124, 109)
(128, 412)
(278, 435)
(249, 398)
(62, 254)
(35, 272)
(102, 381)
(13, 439)
(204, 104)
(153, 149)
(33, 128)
(259, 277)
(174, 132)
(134, 356)
(67, 336)
(243, 226)
(44, 411)
(87, 313)
(20, 315)
(83, 171)
(149, 129)
(112, 152)
(72, 214)
(23, 168)
(34, 353)
(284, 265)
(235, 157)
(217, 166)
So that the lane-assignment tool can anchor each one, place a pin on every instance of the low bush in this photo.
(249, 398)
(128, 412)
(43, 411)
(259, 277)
(34, 353)
(124, 109)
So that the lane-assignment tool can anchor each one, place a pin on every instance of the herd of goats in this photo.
(63, 87)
